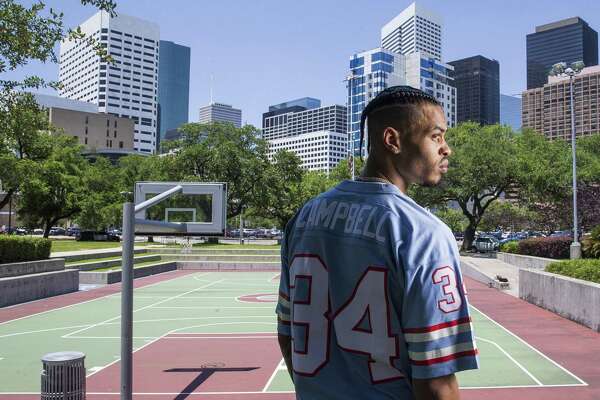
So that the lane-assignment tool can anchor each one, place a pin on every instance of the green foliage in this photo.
(19, 248)
(54, 190)
(591, 245)
(506, 215)
(343, 170)
(455, 219)
(588, 270)
(510, 247)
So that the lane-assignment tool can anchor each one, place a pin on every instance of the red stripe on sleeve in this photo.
(449, 357)
(438, 326)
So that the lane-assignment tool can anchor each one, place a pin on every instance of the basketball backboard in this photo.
(184, 208)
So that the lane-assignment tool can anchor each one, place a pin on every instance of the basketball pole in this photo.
(127, 302)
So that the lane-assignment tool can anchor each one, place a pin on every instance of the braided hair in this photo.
(394, 95)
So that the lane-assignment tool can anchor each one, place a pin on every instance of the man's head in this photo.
(406, 133)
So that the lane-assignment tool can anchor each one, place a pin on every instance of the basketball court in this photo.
(212, 334)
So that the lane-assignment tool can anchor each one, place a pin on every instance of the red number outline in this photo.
(446, 285)
(370, 361)
(305, 324)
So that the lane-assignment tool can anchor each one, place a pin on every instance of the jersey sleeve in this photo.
(283, 302)
(436, 323)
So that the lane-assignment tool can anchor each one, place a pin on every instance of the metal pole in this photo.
(575, 246)
(241, 228)
(9, 214)
(127, 301)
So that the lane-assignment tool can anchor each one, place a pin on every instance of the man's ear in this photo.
(392, 140)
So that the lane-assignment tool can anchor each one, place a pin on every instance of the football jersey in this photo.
(372, 295)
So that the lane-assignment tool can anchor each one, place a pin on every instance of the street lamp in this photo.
(350, 79)
(561, 69)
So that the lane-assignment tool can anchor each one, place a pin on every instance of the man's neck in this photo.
(389, 175)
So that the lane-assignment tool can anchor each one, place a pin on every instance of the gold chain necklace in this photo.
(372, 179)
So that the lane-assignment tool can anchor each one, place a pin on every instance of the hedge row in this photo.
(586, 269)
(18, 249)
(557, 247)
(510, 247)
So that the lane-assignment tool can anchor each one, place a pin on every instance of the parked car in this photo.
(38, 231)
(57, 230)
(73, 231)
(484, 244)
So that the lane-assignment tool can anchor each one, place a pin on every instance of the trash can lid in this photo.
(63, 356)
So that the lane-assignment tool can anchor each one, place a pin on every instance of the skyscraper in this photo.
(510, 111)
(219, 112)
(414, 29)
(568, 40)
(173, 86)
(477, 82)
(374, 70)
(126, 88)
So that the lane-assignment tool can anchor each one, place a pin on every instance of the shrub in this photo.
(550, 247)
(591, 245)
(510, 247)
(588, 270)
(18, 248)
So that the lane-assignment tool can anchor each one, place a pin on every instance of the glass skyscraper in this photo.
(510, 111)
(568, 40)
(173, 86)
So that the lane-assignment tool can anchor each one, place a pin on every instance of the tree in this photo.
(54, 191)
(506, 215)
(343, 170)
(483, 165)
(24, 139)
(220, 152)
(455, 219)
(101, 206)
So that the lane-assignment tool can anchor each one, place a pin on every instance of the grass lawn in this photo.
(235, 246)
(73, 245)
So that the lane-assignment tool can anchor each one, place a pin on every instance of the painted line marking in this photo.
(272, 376)
(41, 330)
(531, 347)
(210, 307)
(536, 380)
(88, 301)
(139, 309)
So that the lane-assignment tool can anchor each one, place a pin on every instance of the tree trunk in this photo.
(469, 237)
(47, 227)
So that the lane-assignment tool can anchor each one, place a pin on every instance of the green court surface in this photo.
(209, 302)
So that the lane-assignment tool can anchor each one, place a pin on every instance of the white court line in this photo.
(88, 301)
(531, 347)
(273, 375)
(219, 337)
(41, 330)
(222, 333)
(139, 309)
(238, 283)
(536, 380)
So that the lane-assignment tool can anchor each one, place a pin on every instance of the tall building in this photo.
(173, 86)
(126, 88)
(568, 40)
(415, 29)
(296, 122)
(510, 111)
(219, 112)
(374, 70)
(477, 82)
(547, 109)
(305, 103)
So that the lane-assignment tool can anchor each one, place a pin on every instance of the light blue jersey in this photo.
(372, 295)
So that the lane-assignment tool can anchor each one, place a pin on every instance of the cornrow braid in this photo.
(391, 96)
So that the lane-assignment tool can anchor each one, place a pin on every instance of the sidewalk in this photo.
(492, 267)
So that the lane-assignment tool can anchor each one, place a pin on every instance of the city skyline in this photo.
(240, 43)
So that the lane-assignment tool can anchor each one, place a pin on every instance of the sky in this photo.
(264, 52)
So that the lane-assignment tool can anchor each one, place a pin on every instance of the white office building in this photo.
(415, 29)
(329, 118)
(319, 151)
(219, 112)
(374, 70)
(127, 88)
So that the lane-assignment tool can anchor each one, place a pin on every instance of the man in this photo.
(371, 301)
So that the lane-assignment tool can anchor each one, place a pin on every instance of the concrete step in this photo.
(93, 254)
(90, 266)
(230, 266)
(272, 252)
(222, 257)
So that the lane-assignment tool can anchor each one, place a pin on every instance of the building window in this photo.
(120, 145)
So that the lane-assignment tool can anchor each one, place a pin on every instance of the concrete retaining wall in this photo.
(225, 258)
(108, 277)
(31, 267)
(522, 261)
(571, 298)
(272, 252)
(475, 273)
(19, 289)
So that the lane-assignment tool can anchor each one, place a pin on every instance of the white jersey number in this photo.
(362, 324)
(452, 300)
